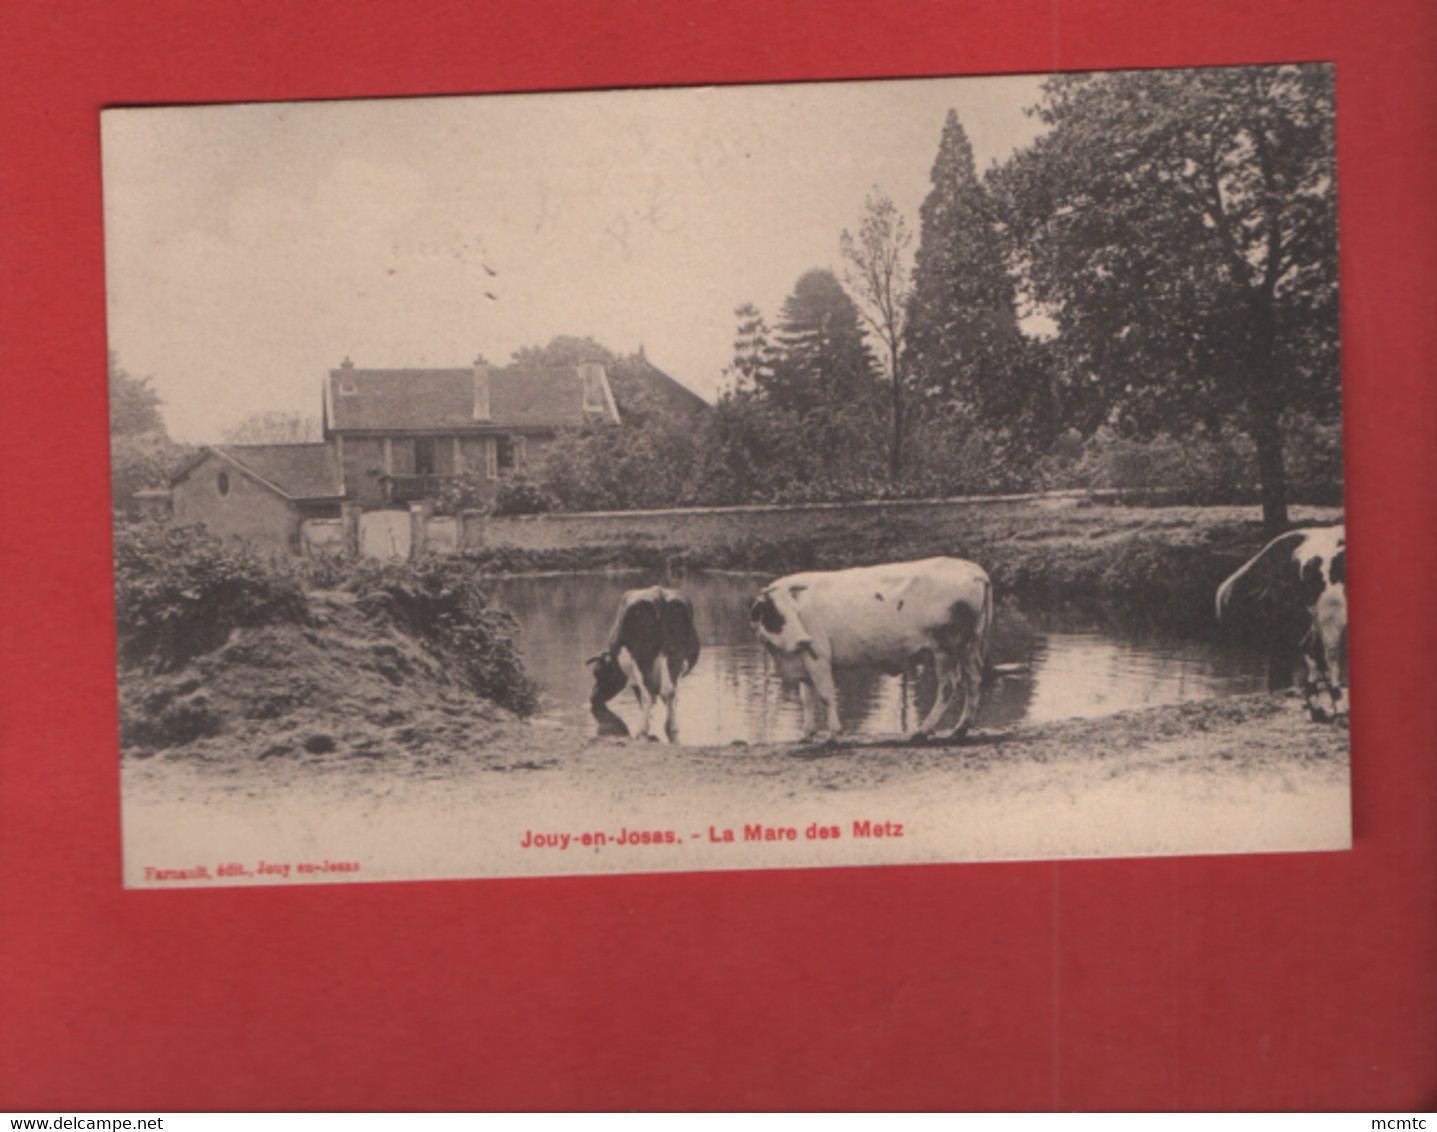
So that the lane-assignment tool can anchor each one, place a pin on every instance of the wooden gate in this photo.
(385, 534)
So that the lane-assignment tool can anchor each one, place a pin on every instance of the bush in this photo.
(1313, 454)
(1203, 467)
(1216, 467)
(439, 601)
(179, 592)
(469, 492)
(521, 494)
(140, 461)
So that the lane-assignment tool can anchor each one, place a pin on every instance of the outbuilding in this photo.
(259, 493)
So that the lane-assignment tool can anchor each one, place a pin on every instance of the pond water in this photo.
(1074, 664)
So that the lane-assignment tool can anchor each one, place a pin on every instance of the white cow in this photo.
(879, 617)
(1295, 588)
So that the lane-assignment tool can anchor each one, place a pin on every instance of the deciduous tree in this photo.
(142, 455)
(275, 427)
(879, 274)
(1180, 227)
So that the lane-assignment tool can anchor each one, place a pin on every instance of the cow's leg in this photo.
(819, 674)
(1316, 688)
(808, 709)
(1330, 623)
(668, 692)
(972, 683)
(944, 670)
(636, 678)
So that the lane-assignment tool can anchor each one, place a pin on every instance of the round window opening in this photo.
(224, 483)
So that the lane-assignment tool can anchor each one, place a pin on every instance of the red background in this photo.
(1296, 981)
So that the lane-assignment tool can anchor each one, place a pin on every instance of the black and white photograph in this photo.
(905, 471)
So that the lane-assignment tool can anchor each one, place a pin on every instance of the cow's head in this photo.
(776, 622)
(609, 681)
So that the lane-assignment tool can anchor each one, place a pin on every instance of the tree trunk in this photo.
(1271, 472)
(1268, 401)
(895, 450)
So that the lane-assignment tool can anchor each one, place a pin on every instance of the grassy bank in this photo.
(1167, 561)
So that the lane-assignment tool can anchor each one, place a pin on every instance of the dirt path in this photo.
(1247, 774)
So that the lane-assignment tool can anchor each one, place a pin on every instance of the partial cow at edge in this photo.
(879, 617)
(1295, 592)
(652, 645)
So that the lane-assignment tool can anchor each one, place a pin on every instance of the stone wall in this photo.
(686, 528)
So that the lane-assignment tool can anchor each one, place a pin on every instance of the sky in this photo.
(251, 248)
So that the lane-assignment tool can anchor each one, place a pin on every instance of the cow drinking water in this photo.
(879, 617)
(652, 645)
(1295, 590)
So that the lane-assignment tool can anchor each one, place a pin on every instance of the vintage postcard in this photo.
(916, 471)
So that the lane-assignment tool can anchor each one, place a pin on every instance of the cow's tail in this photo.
(1289, 541)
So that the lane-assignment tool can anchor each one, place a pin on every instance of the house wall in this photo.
(363, 465)
(248, 511)
(364, 461)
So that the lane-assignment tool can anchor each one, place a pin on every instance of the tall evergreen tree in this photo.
(752, 363)
(963, 327)
(822, 359)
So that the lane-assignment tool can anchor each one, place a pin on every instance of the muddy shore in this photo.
(1247, 774)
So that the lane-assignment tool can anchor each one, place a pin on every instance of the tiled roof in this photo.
(397, 399)
(638, 383)
(300, 471)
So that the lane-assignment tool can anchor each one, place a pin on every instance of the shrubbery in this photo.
(179, 592)
(440, 602)
(1205, 467)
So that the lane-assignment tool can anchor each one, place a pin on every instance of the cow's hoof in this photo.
(919, 738)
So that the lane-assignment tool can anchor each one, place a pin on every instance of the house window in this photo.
(424, 456)
(504, 454)
(223, 483)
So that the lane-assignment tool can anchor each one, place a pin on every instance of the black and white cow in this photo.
(1295, 588)
(879, 617)
(652, 644)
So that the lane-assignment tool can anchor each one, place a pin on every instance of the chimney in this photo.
(481, 390)
(591, 377)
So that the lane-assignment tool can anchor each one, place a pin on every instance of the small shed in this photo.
(259, 493)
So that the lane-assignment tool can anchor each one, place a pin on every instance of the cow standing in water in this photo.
(1295, 588)
(652, 645)
(879, 617)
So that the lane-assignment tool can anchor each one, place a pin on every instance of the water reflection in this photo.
(1072, 665)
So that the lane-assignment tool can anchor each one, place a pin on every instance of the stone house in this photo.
(399, 433)
(392, 437)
